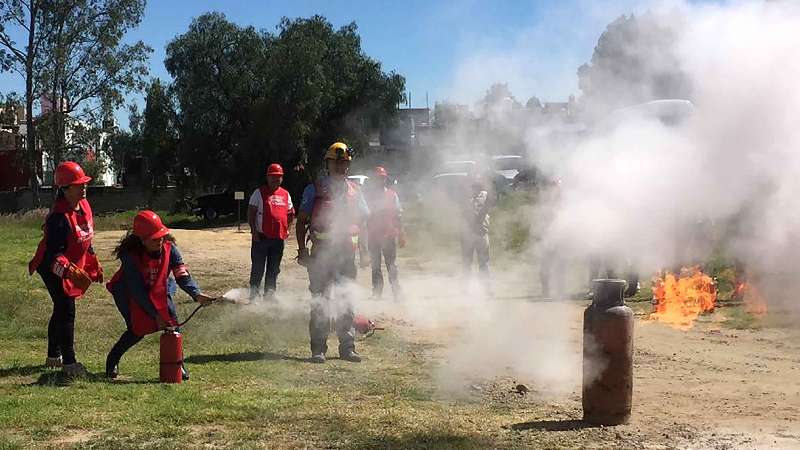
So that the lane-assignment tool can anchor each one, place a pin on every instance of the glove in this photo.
(78, 276)
(303, 257)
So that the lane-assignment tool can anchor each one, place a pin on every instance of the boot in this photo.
(54, 363)
(350, 355)
(75, 370)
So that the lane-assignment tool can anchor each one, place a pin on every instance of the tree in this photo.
(634, 61)
(84, 65)
(220, 79)
(339, 93)
(9, 104)
(125, 145)
(534, 104)
(248, 98)
(21, 17)
(159, 135)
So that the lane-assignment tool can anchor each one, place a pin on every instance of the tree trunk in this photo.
(30, 142)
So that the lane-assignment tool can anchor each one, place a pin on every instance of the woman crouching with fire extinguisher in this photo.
(67, 264)
(142, 287)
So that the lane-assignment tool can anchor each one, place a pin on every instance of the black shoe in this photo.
(318, 358)
(184, 373)
(112, 372)
(112, 367)
(351, 356)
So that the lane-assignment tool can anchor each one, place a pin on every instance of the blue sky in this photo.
(452, 50)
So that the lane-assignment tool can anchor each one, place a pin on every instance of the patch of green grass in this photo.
(739, 319)
(251, 385)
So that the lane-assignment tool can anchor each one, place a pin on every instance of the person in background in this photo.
(143, 288)
(384, 231)
(331, 212)
(475, 229)
(270, 214)
(66, 261)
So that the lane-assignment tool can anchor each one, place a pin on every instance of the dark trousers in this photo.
(386, 247)
(61, 328)
(128, 339)
(475, 244)
(331, 266)
(124, 343)
(265, 252)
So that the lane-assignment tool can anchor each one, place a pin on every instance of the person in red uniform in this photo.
(66, 261)
(384, 231)
(143, 288)
(269, 215)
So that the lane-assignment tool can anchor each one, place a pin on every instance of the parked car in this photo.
(460, 166)
(508, 166)
(211, 206)
(450, 185)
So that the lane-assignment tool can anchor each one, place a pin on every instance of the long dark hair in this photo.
(133, 244)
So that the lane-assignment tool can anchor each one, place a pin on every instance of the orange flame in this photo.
(754, 302)
(680, 299)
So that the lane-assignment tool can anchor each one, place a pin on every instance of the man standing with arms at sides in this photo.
(269, 214)
(330, 214)
(475, 230)
(384, 231)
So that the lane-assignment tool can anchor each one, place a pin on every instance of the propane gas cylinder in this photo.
(607, 355)
(171, 357)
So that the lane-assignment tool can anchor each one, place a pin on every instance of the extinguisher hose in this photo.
(191, 315)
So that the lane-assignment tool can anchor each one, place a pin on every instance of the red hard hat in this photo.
(381, 172)
(275, 169)
(69, 172)
(147, 225)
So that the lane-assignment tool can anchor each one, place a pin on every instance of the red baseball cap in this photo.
(275, 169)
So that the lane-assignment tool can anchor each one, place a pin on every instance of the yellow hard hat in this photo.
(339, 150)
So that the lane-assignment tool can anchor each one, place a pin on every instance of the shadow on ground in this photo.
(241, 356)
(58, 378)
(436, 439)
(22, 371)
(552, 425)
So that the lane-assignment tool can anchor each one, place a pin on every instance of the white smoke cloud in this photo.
(651, 195)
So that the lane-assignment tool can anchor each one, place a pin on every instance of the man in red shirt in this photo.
(269, 214)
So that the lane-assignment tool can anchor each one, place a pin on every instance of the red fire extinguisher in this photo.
(171, 357)
(171, 353)
(365, 326)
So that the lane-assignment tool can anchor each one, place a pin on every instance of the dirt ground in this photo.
(708, 387)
